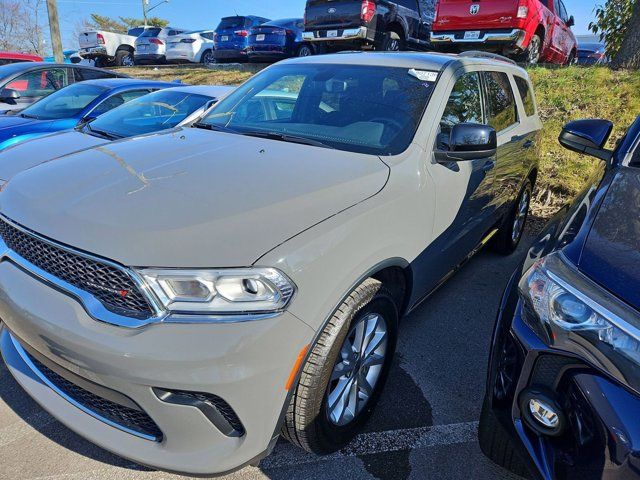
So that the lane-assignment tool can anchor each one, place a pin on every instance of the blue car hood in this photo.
(611, 254)
(13, 125)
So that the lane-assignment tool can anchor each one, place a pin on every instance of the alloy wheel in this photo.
(127, 61)
(207, 58)
(305, 51)
(357, 370)
(534, 50)
(521, 215)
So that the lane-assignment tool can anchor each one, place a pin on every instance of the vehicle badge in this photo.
(332, 10)
(475, 9)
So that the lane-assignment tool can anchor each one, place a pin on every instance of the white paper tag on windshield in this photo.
(424, 75)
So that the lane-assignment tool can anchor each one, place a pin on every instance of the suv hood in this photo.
(611, 253)
(188, 197)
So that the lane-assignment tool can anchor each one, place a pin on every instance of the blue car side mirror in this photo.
(588, 137)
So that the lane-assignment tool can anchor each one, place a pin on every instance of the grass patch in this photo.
(563, 94)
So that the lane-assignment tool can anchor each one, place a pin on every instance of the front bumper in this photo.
(601, 438)
(349, 34)
(514, 37)
(245, 364)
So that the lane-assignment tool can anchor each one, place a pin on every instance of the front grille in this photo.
(110, 285)
(129, 418)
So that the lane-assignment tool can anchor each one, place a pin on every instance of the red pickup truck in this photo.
(529, 31)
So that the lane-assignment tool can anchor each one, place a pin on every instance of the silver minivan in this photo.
(183, 299)
(151, 45)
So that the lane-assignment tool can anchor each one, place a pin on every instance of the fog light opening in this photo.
(542, 413)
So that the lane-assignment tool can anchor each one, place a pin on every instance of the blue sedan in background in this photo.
(563, 393)
(77, 104)
(277, 40)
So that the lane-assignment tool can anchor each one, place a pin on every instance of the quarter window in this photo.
(527, 96)
(500, 101)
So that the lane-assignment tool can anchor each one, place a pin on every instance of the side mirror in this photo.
(588, 137)
(9, 94)
(571, 22)
(469, 141)
(86, 121)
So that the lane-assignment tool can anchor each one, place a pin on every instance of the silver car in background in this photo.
(183, 298)
(151, 45)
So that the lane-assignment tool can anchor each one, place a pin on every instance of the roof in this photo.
(27, 57)
(421, 60)
(213, 91)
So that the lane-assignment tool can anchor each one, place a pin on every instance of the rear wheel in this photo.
(207, 57)
(533, 53)
(512, 229)
(346, 370)
(124, 58)
(305, 51)
(393, 42)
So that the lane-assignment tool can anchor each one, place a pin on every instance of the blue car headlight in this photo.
(573, 313)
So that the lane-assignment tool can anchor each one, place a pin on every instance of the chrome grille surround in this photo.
(98, 310)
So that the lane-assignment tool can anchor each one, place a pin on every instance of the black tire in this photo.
(496, 444)
(572, 59)
(124, 58)
(533, 53)
(393, 42)
(307, 422)
(506, 241)
(304, 51)
(99, 62)
(207, 57)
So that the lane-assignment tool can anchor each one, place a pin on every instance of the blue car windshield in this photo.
(65, 103)
(366, 109)
(160, 110)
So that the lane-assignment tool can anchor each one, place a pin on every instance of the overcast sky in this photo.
(205, 14)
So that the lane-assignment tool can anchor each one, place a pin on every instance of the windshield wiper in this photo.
(284, 137)
(102, 133)
(215, 128)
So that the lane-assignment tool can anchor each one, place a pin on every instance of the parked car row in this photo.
(142, 309)
(529, 31)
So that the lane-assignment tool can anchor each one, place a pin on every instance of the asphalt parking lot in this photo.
(424, 427)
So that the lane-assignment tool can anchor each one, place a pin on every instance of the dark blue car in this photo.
(72, 106)
(231, 38)
(277, 40)
(563, 394)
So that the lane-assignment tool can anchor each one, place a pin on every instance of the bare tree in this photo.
(629, 54)
(22, 24)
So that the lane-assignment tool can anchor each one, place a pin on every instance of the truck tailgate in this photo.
(475, 14)
(333, 14)
(88, 39)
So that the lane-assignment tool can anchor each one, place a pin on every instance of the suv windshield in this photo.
(151, 32)
(366, 109)
(157, 111)
(65, 103)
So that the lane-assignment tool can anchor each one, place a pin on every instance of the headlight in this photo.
(573, 313)
(224, 291)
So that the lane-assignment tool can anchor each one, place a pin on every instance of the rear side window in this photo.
(527, 96)
(82, 74)
(500, 101)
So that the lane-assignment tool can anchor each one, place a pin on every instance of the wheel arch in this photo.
(397, 26)
(125, 47)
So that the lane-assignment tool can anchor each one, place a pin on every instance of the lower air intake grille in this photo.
(129, 418)
(110, 285)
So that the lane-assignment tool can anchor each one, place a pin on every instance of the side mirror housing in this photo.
(588, 137)
(469, 141)
(571, 22)
(9, 95)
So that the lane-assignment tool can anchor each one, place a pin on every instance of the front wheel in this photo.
(346, 370)
(512, 228)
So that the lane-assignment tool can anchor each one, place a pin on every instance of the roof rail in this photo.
(488, 55)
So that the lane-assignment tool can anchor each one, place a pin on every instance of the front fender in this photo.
(19, 139)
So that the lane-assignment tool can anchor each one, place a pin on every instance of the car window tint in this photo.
(465, 102)
(82, 74)
(527, 96)
(500, 100)
(150, 113)
(117, 100)
(41, 82)
(151, 32)
(65, 103)
(366, 109)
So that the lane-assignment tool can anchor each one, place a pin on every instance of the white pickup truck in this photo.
(108, 48)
